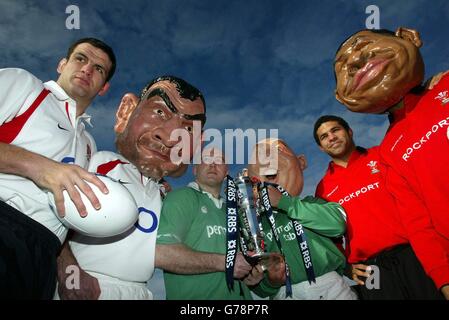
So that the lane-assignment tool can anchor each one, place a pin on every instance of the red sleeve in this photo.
(319, 190)
(425, 241)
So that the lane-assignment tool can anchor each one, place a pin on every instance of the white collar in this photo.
(61, 95)
(217, 202)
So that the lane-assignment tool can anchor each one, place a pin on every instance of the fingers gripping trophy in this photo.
(272, 164)
(250, 211)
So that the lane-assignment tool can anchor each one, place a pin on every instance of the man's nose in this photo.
(87, 69)
(332, 136)
(168, 132)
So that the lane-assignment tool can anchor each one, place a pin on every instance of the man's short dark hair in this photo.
(97, 44)
(327, 118)
(185, 89)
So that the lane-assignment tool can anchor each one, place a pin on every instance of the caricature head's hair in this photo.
(185, 89)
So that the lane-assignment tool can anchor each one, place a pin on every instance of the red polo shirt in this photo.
(372, 221)
(416, 153)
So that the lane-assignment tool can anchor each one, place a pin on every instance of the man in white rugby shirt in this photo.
(119, 267)
(41, 135)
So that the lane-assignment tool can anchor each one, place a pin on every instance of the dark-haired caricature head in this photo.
(144, 126)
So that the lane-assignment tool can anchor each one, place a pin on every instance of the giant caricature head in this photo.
(273, 161)
(144, 125)
(375, 69)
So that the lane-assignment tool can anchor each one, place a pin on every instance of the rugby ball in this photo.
(117, 214)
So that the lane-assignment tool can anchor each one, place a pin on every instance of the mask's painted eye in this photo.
(353, 70)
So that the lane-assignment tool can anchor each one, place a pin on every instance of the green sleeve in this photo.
(176, 216)
(265, 289)
(325, 218)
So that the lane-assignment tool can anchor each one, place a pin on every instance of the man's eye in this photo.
(160, 112)
(271, 176)
(100, 70)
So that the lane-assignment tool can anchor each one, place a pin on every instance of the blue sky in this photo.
(264, 64)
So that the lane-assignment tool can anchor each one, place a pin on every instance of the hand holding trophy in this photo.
(252, 235)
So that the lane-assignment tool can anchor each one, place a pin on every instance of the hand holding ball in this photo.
(117, 214)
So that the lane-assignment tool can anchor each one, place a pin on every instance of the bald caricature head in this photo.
(273, 161)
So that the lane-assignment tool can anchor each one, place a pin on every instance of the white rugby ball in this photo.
(117, 214)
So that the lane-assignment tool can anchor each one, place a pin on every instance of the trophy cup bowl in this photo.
(250, 220)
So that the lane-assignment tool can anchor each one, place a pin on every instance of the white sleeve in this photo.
(18, 88)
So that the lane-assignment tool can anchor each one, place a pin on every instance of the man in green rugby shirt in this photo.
(191, 241)
(321, 221)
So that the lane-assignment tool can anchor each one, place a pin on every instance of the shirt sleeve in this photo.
(17, 86)
(265, 288)
(325, 218)
(176, 216)
(423, 238)
(319, 190)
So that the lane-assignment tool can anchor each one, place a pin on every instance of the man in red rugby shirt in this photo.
(379, 71)
(374, 232)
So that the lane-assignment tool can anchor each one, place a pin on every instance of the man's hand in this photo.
(51, 175)
(276, 269)
(361, 270)
(89, 288)
(432, 82)
(241, 267)
(275, 195)
(445, 291)
(255, 276)
(57, 177)
(73, 282)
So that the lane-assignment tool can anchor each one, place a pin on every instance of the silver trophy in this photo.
(249, 212)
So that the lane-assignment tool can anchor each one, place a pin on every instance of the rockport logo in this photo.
(424, 139)
(357, 193)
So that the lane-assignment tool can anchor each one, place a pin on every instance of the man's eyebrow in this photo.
(79, 53)
(161, 93)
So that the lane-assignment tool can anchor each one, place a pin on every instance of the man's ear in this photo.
(61, 65)
(103, 90)
(302, 161)
(127, 105)
(409, 35)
